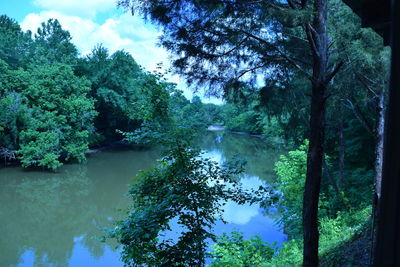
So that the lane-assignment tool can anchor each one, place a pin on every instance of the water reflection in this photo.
(260, 155)
(46, 217)
(261, 158)
(53, 219)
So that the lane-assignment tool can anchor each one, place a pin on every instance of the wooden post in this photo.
(387, 249)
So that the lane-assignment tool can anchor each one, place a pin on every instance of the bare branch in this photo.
(368, 79)
(311, 40)
(360, 118)
(294, 36)
(298, 67)
(333, 73)
(230, 50)
(250, 70)
(366, 85)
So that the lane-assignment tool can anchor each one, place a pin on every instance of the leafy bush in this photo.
(334, 234)
(291, 172)
(235, 251)
(289, 254)
(336, 230)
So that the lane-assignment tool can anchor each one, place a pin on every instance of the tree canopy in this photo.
(55, 104)
(287, 50)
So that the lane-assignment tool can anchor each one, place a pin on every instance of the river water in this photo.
(56, 219)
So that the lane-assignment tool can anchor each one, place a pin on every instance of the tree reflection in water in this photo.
(53, 219)
(46, 213)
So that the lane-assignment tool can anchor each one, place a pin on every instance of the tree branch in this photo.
(311, 40)
(250, 70)
(230, 50)
(294, 36)
(361, 118)
(287, 58)
(333, 73)
(366, 85)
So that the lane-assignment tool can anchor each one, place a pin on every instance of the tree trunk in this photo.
(388, 223)
(380, 130)
(313, 178)
(341, 149)
(317, 36)
(379, 144)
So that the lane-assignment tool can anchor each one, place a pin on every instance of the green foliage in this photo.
(345, 226)
(291, 172)
(40, 149)
(359, 187)
(14, 43)
(155, 103)
(272, 127)
(14, 117)
(247, 113)
(116, 84)
(125, 94)
(338, 225)
(334, 232)
(52, 44)
(61, 117)
(55, 105)
(185, 187)
(241, 113)
(246, 122)
(205, 113)
(289, 254)
(211, 40)
(49, 99)
(46, 111)
(235, 251)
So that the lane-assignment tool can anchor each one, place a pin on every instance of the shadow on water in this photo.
(53, 219)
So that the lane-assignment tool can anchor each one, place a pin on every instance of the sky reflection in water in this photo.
(53, 219)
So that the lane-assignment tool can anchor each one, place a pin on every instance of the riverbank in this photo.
(14, 161)
(219, 128)
(272, 140)
(114, 145)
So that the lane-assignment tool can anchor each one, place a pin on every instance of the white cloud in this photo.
(239, 214)
(123, 32)
(80, 8)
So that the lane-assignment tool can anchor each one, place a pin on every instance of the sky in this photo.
(93, 22)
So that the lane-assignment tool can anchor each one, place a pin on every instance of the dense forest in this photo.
(56, 105)
(303, 75)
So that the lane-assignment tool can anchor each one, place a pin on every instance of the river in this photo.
(56, 219)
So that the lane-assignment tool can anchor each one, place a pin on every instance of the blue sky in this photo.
(17, 9)
(91, 22)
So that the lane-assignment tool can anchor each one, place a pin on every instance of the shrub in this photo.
(235, 251)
